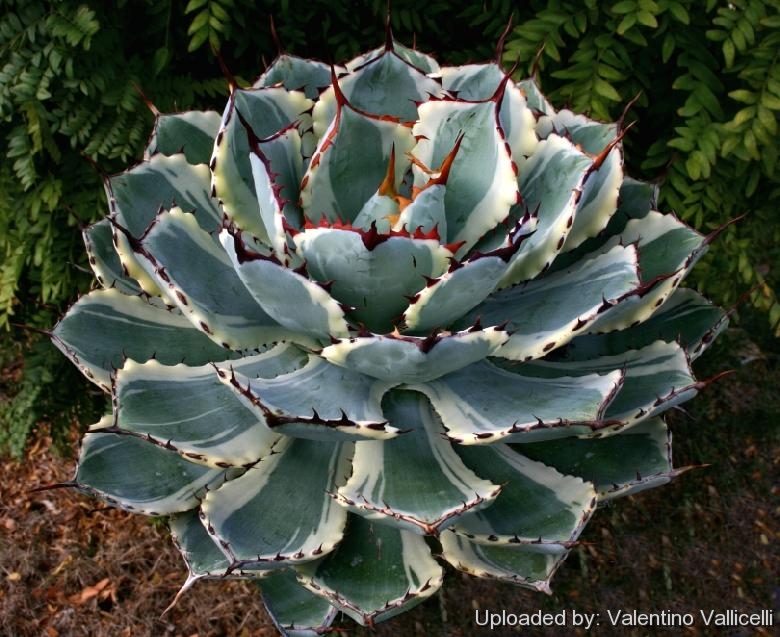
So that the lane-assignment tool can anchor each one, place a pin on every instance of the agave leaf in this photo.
(161, 482)
(480, 82)
(296, 302)
(687, 317)
(377, 213)
(426, 213)
(413, 359)
(296, 74)
(543, 314)
(536, 504)
(375, 573)
(416, 481)
(138, 194)
(190, 410)
(388, 85)
(474, 82)
(530, 566)
(598, 201)
(104, 260)
(106, 327)
(481, 184)
(668, 249)
(350, 163)
(635, 200)
(380, 83)
(665, 244)
(295, 611)
(593, 136)
(422, 61)
(657, 377)
(277, 168)
(517, 121)
(237, 513)
(628, 462)
(191, 133)
(375, 280)
(265, 112)
(203, 557)
(534, 97)
(317, 401)
(199, 277)
(453, 294)
(551, 182)
(482, 403)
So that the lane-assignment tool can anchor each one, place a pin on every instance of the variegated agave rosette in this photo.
(378, 318)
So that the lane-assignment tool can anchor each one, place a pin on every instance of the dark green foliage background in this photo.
(707, 74)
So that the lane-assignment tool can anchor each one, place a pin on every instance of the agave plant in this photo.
(378, 318)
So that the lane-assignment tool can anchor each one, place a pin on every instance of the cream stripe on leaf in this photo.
(635, 200)
(258, 517)
(481, 404)
(598, 201)
(415, 481)
(543, 314)
(161, 482)
(190, 410)
(593, 136)
(389, 85)
(319, 401)
(191, 265)
(537, 504)
(376, 573)
(104, 328)
(631, 461)
(472, 81)
(426, 212)
(136, 195)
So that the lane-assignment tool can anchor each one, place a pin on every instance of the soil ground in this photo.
(708, 541)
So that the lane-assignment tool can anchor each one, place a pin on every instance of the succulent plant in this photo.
(378, 318)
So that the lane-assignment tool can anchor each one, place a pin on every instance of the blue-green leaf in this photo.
(415, 481)
(297, 471)
(375, 573)
(106, 327)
